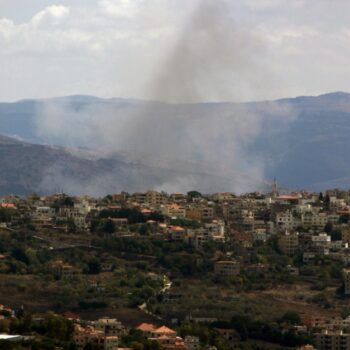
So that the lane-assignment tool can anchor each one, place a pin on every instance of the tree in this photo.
(5, 215)
(336, 235)
(344, 218)
(108, 226)
(194, 194)
(90, 346)
(20, 255)
(290, 317)
(108, 198)
(137, 346)
(59, 327)
(327, 201)
(185, 223)
(94, 266)
(144, 229)
(71, 225)
(328, 228)
(147, 292)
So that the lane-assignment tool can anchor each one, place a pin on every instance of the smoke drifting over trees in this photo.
(199, 143)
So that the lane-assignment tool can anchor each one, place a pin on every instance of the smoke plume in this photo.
(180, 144)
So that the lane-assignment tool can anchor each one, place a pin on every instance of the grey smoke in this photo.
(213, 59)
(198, 146)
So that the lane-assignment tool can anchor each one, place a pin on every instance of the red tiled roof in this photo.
(8, 205)
(164, 330)
(71, 315)
(176, 228)
(287, 197)
(146, 327)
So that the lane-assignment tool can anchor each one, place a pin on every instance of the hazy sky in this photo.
(130, 48)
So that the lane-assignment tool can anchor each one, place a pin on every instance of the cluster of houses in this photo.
(105, 334)
(101, 334)
(168, 338)
(330, 333)
(313, 224)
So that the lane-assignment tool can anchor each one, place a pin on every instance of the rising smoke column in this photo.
(206, 146)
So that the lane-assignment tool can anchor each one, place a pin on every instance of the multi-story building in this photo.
(314, 220)
(345, 235)
(109, 326)
(259, 235)
(332, 340)
(174, 210)
(154, 198)
(192, 343)
(289, 243)
(346, 279)
(178, 198)
(177, 233)
(307, 347)
(321, 243)
(65, 271)
(84, 336)
(200, 213)
(287, 220)
(223, 196)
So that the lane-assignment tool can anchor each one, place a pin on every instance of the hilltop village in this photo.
(176, 271)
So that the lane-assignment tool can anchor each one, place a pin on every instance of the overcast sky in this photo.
(257, 49)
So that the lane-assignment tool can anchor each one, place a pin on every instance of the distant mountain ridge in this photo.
(311, 152)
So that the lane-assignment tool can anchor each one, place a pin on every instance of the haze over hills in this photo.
(86, 144)
(30, 167)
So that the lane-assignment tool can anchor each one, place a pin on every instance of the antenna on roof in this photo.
(274, 188)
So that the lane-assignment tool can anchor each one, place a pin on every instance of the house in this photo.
(230, 335)
(173, 210)
(5, 205)
(308, 257)
(109, 326)
(311, 320)
(65, 271)
(84, 336)
(151, 331)
(177, 233)
(120, 222)
(191, 342)
(164, 331)
(345, 235)
(223, 196)
(72, 316)
(170, 343)
(81, 223)
(147, 329)
(259, 235)
(215, 229)
(11, 338)
(226, 268)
